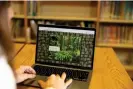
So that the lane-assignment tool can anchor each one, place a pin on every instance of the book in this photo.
(34, 13)
(116, 10)
(115, 34)
(128, 10)
(130, 35)
(112, 9)
(105, 9)
(28, 8)
(31, 8)
(132, 11)
(64, 23)
(118, 34)
(102, 9)
(33, 27)
(18, 28)
(89, 24)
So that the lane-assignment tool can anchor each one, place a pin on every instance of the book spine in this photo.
(115, 35)
(121, 30)
(130, 31)
(127, 10)
(118, 34)
(13, 28)
(118, 9)
(112, 34)
(28, 8)
(123, 34)
(132, 35)
(127, 34)
(34, 8)
(102, 34)
(31, 8)
(111, 6)
(102, 9)
(132, 10)
(93, 25)
(108, 34)
(107, 9)
(112, 10)
(99, 35)
(17, 28)
(105, 34)
(115, 10)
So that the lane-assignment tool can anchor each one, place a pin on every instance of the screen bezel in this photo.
(63, 65)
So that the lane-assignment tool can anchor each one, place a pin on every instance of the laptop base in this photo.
(75, 84)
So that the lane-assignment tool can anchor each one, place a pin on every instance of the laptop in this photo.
(64, 49)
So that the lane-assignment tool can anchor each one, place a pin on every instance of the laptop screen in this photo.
(71, 47)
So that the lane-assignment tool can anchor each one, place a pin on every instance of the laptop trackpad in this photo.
(33, 82)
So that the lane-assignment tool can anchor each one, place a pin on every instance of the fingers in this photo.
(42, 83)
(23, 77)
(52, 76)
(68, 82)
(63, 76)
(28, 69)
(57, 76)
(27, 76)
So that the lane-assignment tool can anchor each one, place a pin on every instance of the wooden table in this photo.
(18, 47)
(108, 72)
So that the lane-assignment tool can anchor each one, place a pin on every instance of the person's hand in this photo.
(55, 81)
(24, 72)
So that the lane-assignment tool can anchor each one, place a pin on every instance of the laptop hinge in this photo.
(65, 68)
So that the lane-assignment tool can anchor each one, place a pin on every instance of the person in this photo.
(8, 76)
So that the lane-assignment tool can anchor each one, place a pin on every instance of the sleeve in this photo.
(7, 79)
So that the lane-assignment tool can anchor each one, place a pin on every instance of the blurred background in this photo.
(113, 21)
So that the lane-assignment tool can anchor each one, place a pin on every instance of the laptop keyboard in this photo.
(74, 74)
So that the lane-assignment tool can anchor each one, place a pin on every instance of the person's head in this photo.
(6, 14)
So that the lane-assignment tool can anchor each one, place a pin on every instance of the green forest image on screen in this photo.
(69, 45)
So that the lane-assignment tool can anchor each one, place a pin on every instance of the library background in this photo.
(113, 21)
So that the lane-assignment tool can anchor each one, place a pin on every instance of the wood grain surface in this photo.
(18, 47)
(108, 72)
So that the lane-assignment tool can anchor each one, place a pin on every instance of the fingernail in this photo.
(53, 75)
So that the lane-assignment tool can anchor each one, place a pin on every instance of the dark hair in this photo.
(5, 34)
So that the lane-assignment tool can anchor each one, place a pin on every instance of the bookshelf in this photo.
(129, 67)
(101, 13)
(18, 21)
(19, 40)
(116, 21)
(127, 46)
(68, 9)
(61, 18)
(71, 10)
(19, 16)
